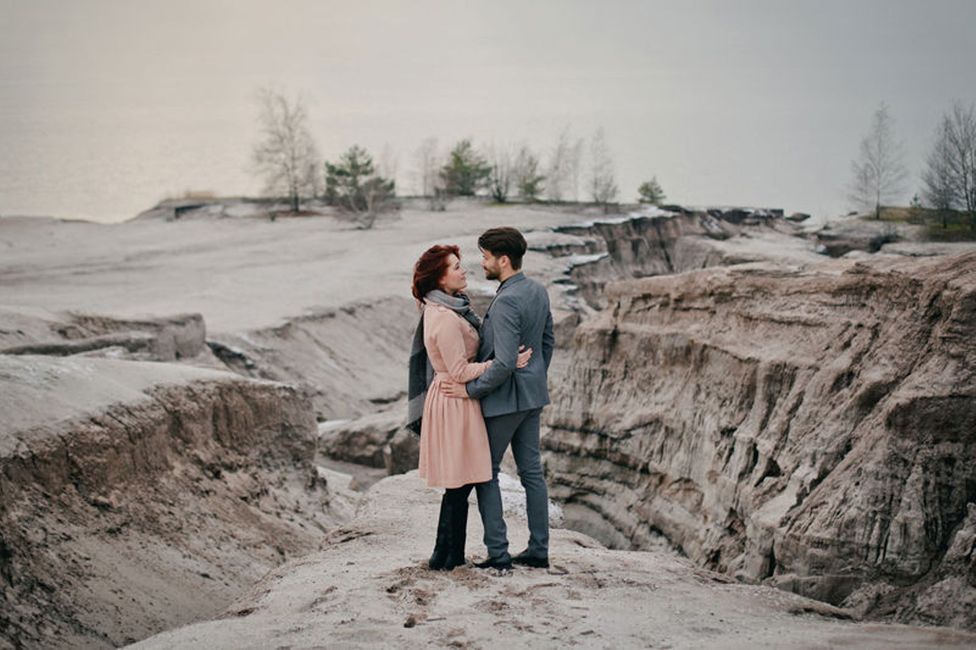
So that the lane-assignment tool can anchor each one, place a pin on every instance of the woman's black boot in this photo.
(459, 527)
(438, 560)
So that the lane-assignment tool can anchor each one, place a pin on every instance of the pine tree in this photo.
(466, 171)
(352, 183)
(651, 192)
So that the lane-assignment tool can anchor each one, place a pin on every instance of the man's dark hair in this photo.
(504, 241)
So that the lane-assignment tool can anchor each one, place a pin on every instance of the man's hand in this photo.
(453, 389)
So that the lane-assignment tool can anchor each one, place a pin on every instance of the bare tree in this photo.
(949, 178)
(960, 127)
(574, 159)
(603, 186)
(563, 166)
(427, 173)
(937, 186)
(528, 180)
(389, 163)
(313, 180)
(427, 163)
(878, 175)
(500, 179)
(380, 196)
(286, 155)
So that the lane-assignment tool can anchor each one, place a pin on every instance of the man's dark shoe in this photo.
(494, 563)
(534, 561)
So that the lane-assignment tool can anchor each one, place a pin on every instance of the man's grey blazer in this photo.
(518, 315)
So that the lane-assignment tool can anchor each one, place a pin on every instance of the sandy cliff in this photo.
(799, 421)
(138, 496)
(809, 429)
(344, 358)
(135, 496)
(655, 242)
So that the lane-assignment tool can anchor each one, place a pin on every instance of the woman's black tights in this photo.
(452, 526)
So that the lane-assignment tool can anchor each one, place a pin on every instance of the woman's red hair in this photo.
(430, 268)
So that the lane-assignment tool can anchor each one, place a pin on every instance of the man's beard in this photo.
(491, 274)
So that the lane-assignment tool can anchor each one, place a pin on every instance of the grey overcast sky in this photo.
(107, 106)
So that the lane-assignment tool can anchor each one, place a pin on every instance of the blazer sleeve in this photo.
(505, 323)
(548, 340)
(445, 331)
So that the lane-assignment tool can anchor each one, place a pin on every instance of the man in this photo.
(511, 400)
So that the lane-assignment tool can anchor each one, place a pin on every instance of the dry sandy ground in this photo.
(368, 587)
(368, 580)
(241, 274)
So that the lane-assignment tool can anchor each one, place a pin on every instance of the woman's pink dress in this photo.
(453, 439)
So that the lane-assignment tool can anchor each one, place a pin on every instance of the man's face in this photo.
(490, 264)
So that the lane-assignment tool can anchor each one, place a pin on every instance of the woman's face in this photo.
(454, 279)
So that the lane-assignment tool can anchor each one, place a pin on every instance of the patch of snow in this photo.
(239, 210)
(579, 260)
(607, 220)
(652, 211)
(643, 213)
(331, 425)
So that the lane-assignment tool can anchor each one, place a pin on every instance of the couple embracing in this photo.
(477, 387)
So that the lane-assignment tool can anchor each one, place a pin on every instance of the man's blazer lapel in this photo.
(487, 346)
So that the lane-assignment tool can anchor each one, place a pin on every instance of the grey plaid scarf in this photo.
(421, 373)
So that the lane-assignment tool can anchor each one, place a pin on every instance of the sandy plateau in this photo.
(200, 441)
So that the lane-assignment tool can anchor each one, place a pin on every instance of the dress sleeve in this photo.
(446, 334)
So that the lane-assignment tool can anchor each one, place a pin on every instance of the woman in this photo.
(454, 451)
